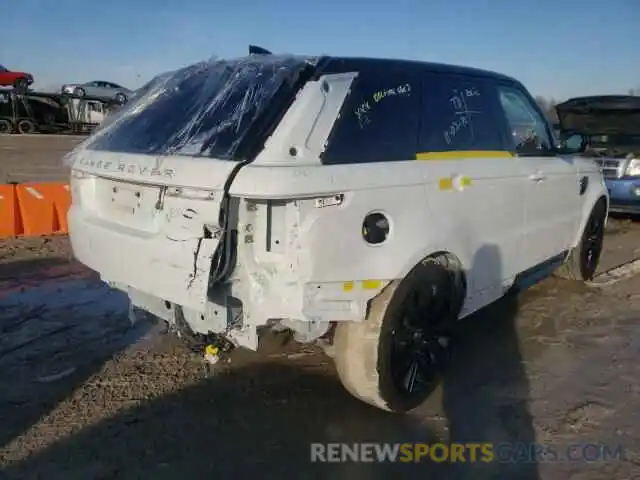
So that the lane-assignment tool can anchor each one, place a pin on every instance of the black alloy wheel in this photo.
(592, 241)
(420, 343)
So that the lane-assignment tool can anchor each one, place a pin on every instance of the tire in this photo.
(6, 126)
(582, 262)
(21, 84)
(78, 92)
(26, 127)
(121, 98)
(369, 354)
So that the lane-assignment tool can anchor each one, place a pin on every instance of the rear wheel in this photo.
(5, 126)
(121, 98)
(583, 260)
(26, 126)
(393, 359)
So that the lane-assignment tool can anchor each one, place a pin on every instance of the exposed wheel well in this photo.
(452, 263)
(604, 199)
(364, 351)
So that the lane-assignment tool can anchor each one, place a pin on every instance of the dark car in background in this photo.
(609, 126)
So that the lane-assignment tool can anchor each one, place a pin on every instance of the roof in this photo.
(344, 64)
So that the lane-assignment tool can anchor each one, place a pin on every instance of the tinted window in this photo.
(379, 120)
(528, 127)
(460, 113)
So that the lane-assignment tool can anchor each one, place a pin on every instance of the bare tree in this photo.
(551, 110)
(542, 102)
(548, 107)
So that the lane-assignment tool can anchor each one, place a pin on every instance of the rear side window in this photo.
(379, 120)
(461, 113)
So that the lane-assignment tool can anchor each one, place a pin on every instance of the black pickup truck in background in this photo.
(37, 112)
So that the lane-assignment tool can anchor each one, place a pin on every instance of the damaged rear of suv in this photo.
(364, 204)
(152, 210)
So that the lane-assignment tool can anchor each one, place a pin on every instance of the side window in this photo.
(460, 113)
(378, 122)
(527, 127)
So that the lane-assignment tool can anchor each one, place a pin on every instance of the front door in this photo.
(552, 192)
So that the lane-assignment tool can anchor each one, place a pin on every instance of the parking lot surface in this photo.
(35, 158)
(85, 394)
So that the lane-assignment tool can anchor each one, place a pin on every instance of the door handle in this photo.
(537, 177)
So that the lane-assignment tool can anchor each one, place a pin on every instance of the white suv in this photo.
(363, 203)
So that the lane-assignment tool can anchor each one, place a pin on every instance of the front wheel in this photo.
(394, 358)
(583, 260)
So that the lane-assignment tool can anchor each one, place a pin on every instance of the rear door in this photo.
(552, 189)
(476, 192)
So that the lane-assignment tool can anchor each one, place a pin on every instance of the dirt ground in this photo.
(35, 158)
(86, 395)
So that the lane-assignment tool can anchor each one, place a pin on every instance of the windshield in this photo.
(2, 69)
(203, 110)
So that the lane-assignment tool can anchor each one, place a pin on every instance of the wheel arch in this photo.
(443, 257)
(586, 212)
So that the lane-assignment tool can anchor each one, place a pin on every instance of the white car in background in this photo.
(98, 89)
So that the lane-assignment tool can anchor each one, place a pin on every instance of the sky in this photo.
(557, 48)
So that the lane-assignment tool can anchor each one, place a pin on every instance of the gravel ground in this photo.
(35, 158)
(84, 394)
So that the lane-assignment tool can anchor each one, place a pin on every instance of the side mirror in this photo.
(572, 143)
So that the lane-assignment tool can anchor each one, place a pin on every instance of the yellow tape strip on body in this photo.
(464, 154)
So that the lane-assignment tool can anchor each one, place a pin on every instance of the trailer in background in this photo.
(37, 112)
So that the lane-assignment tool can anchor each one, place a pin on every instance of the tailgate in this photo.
(158, 239)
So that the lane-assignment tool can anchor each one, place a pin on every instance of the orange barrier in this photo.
(10, 224)
(34, 209)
